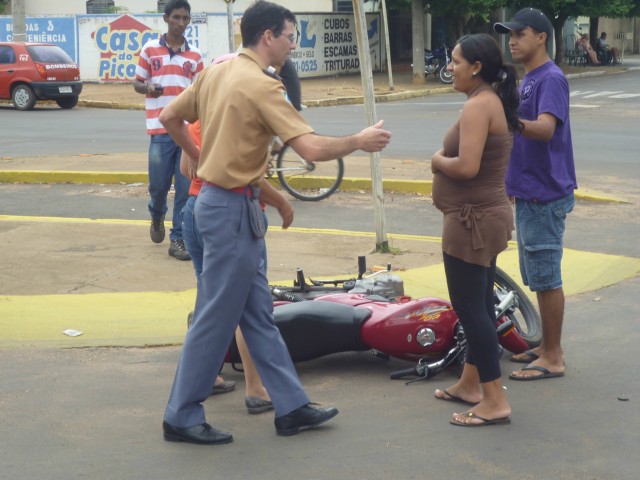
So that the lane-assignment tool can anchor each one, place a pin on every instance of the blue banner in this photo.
(58, 30)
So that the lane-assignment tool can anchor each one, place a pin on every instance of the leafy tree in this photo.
(461, 15)
(3, 5)
(559, 11)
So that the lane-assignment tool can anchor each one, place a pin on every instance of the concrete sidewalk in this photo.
(399, 175)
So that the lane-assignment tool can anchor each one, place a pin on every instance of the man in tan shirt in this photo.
(241, 105)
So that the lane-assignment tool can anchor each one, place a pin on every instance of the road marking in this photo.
(604, 93)
(583, 106)
(159, 318)
(575, 93)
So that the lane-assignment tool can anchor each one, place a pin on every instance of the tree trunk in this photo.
(593, 30)
(417, 28)
(558, 24)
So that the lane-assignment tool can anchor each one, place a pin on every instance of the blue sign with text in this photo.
(58, 30)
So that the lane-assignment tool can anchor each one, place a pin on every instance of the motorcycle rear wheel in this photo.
(525, 317)
(445, 75)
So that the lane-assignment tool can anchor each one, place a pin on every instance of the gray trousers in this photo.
(233, 291)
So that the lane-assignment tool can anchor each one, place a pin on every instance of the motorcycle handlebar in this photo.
(286, 295)
(403, 373)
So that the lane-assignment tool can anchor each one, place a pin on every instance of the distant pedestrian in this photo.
(166, 67)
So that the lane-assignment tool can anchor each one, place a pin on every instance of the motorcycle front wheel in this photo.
(523, 314)
(445, 75)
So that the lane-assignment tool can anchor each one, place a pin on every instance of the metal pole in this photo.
(232, 47)
(385, 20)
(19, 22)
(364, 54)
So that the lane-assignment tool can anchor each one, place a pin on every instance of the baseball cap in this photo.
(527, 17)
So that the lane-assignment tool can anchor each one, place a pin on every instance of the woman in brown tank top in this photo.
(469, 189)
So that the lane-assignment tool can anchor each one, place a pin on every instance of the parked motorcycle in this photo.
(436, 61)
(319, 318)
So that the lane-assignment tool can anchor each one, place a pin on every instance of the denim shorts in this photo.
(540, 229)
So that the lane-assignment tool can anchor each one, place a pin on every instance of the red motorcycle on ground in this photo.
(319, 318)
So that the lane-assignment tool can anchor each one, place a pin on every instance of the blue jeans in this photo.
(164, 164)
(191, 235)
(540, 230)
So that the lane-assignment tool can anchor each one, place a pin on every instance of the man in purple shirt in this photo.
(541, 178)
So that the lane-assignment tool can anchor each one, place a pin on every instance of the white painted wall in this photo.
(109, 45)
(70, 7)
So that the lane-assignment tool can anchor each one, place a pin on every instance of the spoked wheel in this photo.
(310, 181)
(523, 315)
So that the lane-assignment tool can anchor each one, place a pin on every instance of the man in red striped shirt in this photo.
(166, 67)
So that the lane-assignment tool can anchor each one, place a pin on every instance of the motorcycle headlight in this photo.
(425, 337)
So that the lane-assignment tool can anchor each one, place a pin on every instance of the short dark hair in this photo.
(175, 5)
(263, 16)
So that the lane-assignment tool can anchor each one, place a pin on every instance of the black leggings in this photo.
(471, 293)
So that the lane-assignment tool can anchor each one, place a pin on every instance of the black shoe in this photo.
(157, 230)
(307, 416)
(203, 434)
(177, 250)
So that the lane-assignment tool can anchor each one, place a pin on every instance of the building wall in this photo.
(107, 47)
(71, 7)
(618, 32)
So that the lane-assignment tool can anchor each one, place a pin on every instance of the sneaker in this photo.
(157, 230)
(178, 251)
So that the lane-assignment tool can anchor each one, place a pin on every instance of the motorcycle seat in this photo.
(312, 329)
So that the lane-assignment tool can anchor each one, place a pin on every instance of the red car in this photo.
(38, 71)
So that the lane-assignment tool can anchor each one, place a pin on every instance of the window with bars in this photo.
(342, 6)
(100, 6)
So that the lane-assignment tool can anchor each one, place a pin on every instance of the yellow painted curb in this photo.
(347, 185)
(70, 176)
(159, 318)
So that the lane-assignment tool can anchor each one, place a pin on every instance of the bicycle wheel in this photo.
(309, 181)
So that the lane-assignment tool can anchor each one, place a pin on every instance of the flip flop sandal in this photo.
(532, 357)
(223, 387)
(545, 374)
(452, 398)
(483, 421)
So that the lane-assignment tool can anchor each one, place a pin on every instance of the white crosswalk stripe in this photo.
(602, 93)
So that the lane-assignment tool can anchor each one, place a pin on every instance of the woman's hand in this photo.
(434, 160)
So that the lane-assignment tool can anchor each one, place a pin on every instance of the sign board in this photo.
(110, 45)
(327, 44)
(58, 30)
